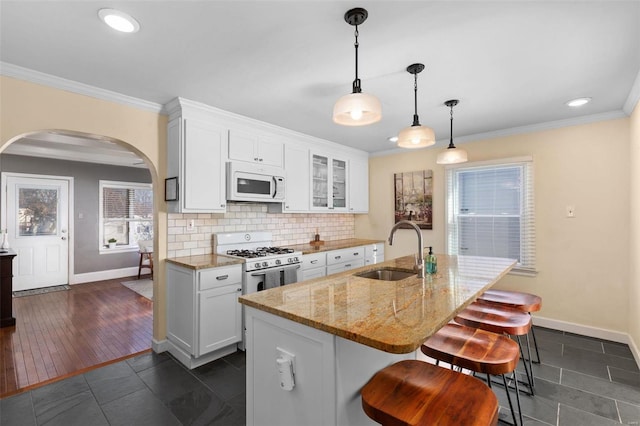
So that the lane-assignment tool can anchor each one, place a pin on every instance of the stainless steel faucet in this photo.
(419, 266)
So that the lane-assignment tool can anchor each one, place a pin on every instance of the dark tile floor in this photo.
(581, 381)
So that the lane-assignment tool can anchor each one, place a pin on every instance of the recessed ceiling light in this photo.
(392, 139)
(119, 21)
(578, 102)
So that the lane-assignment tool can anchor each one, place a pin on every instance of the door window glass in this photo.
(37, 212)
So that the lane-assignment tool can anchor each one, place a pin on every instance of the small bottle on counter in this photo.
(431, 262)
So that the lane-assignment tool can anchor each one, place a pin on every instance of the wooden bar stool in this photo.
(501, 320)
(524, 302)
(479, 351)
(414, 392)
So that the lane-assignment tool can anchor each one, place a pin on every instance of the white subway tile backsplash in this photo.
(287, 228)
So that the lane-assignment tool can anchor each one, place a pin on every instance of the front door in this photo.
(37, 220)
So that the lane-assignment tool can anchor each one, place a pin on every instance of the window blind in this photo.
(490, 211)
(126, 212)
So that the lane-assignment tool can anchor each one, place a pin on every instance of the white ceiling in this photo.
(512, 63)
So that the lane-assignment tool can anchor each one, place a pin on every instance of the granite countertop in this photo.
(333, 245)
(205, 261)
(392, 316)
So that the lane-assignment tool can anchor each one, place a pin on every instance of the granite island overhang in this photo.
(335, 332)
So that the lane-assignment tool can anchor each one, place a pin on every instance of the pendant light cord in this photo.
(451, 145)
(356, 82)
(416, 120)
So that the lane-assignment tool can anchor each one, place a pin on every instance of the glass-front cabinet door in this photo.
(320, 181)
(329, 183)
(339, 175)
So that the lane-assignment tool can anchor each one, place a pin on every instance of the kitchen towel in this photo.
(291, 275)
(271, 279)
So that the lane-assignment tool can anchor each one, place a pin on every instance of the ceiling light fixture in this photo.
(357, 108)
(452, 155)
(119, 21)
(416, 136)
(578, 102)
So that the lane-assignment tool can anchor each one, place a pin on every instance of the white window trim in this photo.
(116, 184)
(517, 270)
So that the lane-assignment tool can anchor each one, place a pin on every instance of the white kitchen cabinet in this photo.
(358, 186)
(204, 318)
(196, 155)
(329, 183)
(255, 147)
(345, 259)
(373, 253)
(296, 163)
(314, 265)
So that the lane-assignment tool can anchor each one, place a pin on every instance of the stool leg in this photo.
(535, 343)
(533, 380)
(506, 389)
(140, 265)
(526, 366)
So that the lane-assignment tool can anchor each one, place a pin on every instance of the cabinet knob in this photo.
(221, 205)
(260, 159)
(255, 158)
(239, 289)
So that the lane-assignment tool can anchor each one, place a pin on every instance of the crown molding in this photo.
(26, 74)
(549, 125)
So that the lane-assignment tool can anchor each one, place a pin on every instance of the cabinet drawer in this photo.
(308, 274)
(341, 267)
(345, 255)
(218, 277)
(314, 260)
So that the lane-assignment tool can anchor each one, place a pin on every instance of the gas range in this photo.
(255, 249)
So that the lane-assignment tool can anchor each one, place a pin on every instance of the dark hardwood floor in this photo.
(60, 334)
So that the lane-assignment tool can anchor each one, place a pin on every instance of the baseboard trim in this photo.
(159, 346)
(103, 275)
(585, 330)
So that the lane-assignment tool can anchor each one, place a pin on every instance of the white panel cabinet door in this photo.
(220, 318)
(204, 173)
(359, 186)
(196, 154)
(296, 161)
(254, 147)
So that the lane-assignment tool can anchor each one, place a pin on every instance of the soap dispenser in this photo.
(431, 262)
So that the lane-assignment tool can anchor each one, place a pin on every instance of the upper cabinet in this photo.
(329, 183)
(197, 150)
(358, 185)
(296, 165)
(255, 147)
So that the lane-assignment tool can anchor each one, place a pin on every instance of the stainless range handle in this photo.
(264, 271)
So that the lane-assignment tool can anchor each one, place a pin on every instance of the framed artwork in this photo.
(414, 198)
(171, 189)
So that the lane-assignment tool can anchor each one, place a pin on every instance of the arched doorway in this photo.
(88, 161)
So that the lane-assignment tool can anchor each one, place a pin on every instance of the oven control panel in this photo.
(254, 264)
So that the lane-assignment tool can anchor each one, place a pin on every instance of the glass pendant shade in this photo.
(357, 109)
(452, 156)
(416, 137)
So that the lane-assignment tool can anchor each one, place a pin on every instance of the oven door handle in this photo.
(264, 271)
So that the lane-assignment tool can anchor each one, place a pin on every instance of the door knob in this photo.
(64, 238)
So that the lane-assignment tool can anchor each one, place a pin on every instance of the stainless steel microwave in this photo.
(255, 182)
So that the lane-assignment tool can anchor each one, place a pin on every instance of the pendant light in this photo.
(416, 136)
(452, 155)
(357, 108)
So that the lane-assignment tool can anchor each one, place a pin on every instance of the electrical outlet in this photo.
(191, 225)
(571, 211)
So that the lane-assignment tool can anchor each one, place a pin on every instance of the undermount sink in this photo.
(386, 274)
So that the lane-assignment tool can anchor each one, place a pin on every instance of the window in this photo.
(126, 213)
(490, 211)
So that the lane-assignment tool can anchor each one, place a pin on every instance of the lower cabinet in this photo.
(314, 265)
(344, 259)
(373, 253)
(204, 317)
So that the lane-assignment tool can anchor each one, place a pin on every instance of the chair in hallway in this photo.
(146, 256)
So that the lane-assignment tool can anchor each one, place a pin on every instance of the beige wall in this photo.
(27, 107)
(583, 262)
(634, 251)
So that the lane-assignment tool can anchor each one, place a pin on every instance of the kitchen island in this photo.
(337, 331)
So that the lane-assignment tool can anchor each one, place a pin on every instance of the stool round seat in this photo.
(415, 392)
(524, 302)
(474, 349)
(498, 319)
